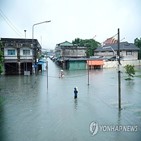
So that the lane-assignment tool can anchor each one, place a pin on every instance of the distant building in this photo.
(67, 49)
(20, 55)
(128, 51)
(66, 52)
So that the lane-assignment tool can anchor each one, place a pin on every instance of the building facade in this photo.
(67, 49)
(20, 55)
(66, 53)
(128, 51)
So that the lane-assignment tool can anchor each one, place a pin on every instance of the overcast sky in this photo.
(70, 19)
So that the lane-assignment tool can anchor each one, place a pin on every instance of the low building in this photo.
(20, 55)
(128, 51)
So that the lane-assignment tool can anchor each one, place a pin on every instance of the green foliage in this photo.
(129, 69)
(1, 69)
(137, 42)
(91, 45)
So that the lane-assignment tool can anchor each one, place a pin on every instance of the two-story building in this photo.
(19, 55)
(69, 50)
(70, 56)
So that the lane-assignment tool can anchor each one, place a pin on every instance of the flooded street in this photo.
(29, 111)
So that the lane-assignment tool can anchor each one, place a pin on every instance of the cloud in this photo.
(72, 19)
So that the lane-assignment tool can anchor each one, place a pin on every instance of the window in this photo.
(26, 52)
(128, 52)
(11, 52)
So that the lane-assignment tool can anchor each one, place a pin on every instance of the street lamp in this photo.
(25, 64)
(33, 39)
(25, 33)
(37, 24)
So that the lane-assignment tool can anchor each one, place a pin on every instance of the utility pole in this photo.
(88, 72)
(88, 55)
(47, 72)
(119, 72)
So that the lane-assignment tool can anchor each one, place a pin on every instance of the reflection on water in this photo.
(130, 83)
(31, 112)
(75, 104)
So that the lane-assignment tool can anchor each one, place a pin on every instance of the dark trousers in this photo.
(75, 95)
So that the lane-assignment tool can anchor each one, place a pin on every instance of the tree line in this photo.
(91, 45)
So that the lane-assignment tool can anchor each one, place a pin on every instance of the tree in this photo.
(137, 42)
(91, 45)
(1, 59)
(129, 69)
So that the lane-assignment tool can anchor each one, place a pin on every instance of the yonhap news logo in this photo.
(95, 127)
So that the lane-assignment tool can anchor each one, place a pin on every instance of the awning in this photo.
(95, 62)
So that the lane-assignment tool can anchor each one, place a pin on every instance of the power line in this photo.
(11, 25)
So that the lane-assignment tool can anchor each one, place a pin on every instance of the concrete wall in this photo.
(113, 64)
(74, 52)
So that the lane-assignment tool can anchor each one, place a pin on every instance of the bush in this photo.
(130, 71)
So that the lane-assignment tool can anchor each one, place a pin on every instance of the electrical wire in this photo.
(11, 25)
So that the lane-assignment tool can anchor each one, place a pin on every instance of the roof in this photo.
(80, 59)
(110, 41)
(66, 43)
(20, 40)
(123, 46)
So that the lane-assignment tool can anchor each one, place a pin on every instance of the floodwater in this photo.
(29, 111)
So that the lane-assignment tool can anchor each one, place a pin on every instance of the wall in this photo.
(113, 64)
(6, 56)
(133, 56)
(104, 53)
(74, 52)
(26, 56)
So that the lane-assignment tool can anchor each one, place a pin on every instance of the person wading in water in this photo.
(75, 92)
